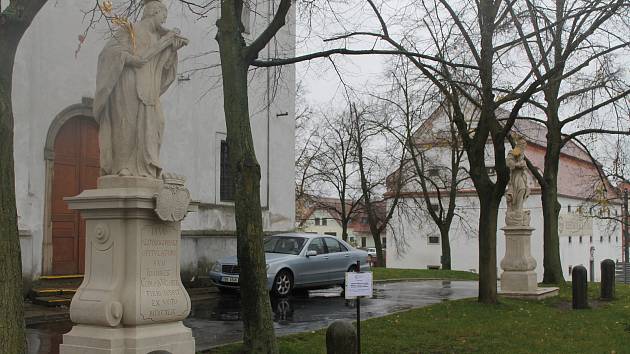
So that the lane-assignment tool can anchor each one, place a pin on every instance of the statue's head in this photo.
(520, 143)
(154, 9)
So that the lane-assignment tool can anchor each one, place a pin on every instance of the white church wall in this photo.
(49, 77)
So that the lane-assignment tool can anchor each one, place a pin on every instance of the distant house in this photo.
(321, 216)
(587, 227)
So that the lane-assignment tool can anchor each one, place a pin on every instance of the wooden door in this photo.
(76, 168)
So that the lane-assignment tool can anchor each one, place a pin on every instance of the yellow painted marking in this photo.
(69, 276)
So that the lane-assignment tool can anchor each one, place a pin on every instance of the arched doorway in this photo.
(75, 168)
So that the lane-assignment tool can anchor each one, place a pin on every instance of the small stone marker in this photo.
(341, 338)
(580, 288)
(608, 279)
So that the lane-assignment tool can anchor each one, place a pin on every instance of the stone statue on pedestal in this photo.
(519, 278)
(132, 299)
(134, 69)
(518, 188)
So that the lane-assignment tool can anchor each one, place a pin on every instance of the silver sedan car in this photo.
(297, 260)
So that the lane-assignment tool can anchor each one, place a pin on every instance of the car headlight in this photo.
(216, 267)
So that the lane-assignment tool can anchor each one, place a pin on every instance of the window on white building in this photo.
(580, 239)
(226, 180)
(569, 239)
(433, 240)
(324, 222)
(317, 220)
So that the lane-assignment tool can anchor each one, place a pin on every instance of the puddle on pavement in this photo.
(44, 338)
(218, 320)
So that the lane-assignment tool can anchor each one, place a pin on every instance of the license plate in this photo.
(229, 279)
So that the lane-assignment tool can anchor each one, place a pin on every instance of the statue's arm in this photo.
(510, 161)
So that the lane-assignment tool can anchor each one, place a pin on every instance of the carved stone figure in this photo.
(518, 188)
(134, 69)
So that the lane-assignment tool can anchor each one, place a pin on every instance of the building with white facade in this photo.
(56, 147)
(588, 230)
(322, 216)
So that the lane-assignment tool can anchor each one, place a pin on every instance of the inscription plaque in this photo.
(162, 294)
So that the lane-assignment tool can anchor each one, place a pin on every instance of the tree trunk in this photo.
(380, 258)
(344, 229)
(489, 208)
(11, 301)
(445, 260)
(551, 209)
(259, 336)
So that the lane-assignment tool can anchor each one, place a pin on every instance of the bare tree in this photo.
(15, 19)
(336, 168)
(573, 44)
(433, 153)
(470, 32)
(369, 134)
(307, 152)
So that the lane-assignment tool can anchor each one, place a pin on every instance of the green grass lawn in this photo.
(512, 326)
(390, 273)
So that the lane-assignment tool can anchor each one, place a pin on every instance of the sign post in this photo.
(358, 284)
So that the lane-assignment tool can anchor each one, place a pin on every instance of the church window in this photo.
(227, 178)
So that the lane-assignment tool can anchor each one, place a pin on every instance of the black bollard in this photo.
(341, 338)
(580, 288)
(608, 279)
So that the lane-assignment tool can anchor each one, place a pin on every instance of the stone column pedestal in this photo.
(518, 264)
(519, 280)
(132, 299)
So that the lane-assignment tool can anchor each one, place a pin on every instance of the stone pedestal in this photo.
(519, 280)
(518, 264)
(132, 299)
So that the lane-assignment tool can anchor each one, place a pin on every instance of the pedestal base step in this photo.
(174, 338)
(539, 294)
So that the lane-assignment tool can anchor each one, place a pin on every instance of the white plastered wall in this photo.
(49, 77)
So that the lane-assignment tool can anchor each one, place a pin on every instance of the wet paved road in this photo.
(217, 321)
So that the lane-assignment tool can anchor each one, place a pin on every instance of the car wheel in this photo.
(283, 283)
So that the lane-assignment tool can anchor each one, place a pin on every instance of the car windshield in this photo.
(284, 244)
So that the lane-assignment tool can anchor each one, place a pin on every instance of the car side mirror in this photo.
(311, 253)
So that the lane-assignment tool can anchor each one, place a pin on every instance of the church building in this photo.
(56, 135)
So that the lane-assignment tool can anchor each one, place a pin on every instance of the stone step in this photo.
(53, 300)
(58, 277)
(43, 292)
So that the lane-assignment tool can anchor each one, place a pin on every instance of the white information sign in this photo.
(358, 284)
